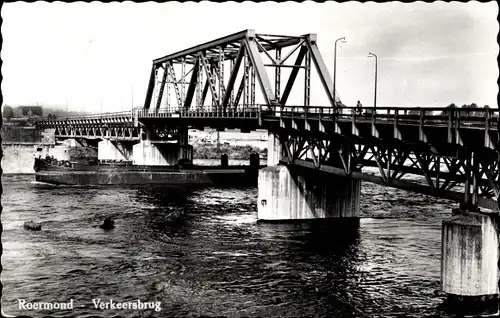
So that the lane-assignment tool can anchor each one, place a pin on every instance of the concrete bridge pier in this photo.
(289, 193)
(185, 149)
(162, 153)
(224, 161)
(469, 262)
(74, 143)
(114, 150)
(153, 152)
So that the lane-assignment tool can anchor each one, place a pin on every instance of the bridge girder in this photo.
(460, 162)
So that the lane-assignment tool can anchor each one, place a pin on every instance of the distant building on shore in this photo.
(27, 111)
(21, 112)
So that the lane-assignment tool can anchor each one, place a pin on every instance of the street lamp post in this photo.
(376, 62)
(335, 70)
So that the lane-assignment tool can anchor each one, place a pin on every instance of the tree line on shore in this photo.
(9, 112)
(199, 152)
(234, 152)
(451, 106)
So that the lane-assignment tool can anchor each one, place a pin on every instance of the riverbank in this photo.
(201, 151)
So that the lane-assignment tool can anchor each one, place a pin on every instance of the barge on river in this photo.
(94, 172)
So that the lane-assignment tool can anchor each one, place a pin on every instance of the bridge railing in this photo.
(484, 117)
(409, 115)
(204, 112)
(88, 116)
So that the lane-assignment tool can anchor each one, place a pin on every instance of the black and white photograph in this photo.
(251, 159)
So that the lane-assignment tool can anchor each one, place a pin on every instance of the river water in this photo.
(202, 252)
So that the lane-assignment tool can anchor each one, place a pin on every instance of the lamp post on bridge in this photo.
(376, 62)
(335, 70)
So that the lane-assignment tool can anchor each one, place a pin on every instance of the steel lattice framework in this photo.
(222, 75)
(454, 156)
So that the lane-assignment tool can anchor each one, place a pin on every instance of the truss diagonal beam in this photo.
(379, 162)
(192, 85)
(232, 77)
(293, 75)
(424, 166)
(240, 92)
(260, 71)
(204, 93)
(263, 49)
(171, 72)
(210, 81)
(283, 60)
(346, 165)
(491, 180)
(163, 80)
(151, 87)
(321, 68)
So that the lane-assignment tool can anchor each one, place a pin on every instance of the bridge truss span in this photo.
(223, 75)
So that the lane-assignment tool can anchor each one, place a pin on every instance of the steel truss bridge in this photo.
(236, 82)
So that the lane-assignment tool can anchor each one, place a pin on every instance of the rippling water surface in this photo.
(202, 252)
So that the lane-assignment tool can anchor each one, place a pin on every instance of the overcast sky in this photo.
(430, 54)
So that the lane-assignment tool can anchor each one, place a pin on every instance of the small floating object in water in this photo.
(108, 224)
(32, 226)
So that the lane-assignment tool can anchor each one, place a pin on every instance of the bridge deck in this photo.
(430, 116)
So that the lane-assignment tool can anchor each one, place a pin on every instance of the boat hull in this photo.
(142, 175)
(221, 177)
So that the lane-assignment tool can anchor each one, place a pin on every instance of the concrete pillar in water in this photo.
(149, 153)
(113, 150)
(224, 161)
(48, 136)
(252, 172)
(274, 149)
(469, 262)
(73, 143)
(161, 153)
(185, 153)
(254, 161)
(287, 194)
(185, 149)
